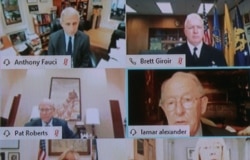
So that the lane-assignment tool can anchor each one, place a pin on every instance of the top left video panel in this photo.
(65, 34)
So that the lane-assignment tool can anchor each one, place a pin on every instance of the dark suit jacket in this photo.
(209, 56)
(66, 132)
(80, 56)
(214, 131)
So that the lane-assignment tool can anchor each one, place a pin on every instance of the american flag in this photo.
(207, 36)
(42, 150)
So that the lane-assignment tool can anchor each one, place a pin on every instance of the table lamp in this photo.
(92, 118)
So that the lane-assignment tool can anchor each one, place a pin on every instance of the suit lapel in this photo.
(62, 44)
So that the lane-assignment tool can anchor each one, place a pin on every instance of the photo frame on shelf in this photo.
(190, 153)
(13, 15)
(14, 155)
(81, 146)
(33, 8)
(9, 144)
(18, 37)
(66, 95)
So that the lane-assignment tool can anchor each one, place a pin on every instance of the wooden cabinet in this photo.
(80, 5)
(165, 38)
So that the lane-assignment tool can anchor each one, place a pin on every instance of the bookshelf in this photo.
(165, 38)
(80, 5)
(42, 26)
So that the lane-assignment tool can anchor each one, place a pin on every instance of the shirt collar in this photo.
(191, 48)
(199, 132)
(49, 124)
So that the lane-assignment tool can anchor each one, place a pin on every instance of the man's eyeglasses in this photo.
(186, 101)
(47, 110)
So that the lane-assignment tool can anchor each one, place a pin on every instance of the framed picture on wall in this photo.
(117, 11)
(66, 95)
(81, 146)
(13, 15)
(13, 156)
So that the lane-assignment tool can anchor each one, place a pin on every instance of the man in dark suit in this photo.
(70, 41)
(46, 108)
(183, 101)
(198, 53)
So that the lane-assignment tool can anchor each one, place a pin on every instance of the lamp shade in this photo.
(92, 116)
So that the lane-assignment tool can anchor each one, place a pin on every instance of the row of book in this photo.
(40, 19)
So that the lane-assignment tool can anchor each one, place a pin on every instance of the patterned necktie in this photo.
(69, 52)
(195, 54)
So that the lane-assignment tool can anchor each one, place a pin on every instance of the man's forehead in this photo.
(45, 105)
(70, 17)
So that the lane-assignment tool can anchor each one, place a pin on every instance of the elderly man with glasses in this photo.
(183, 101)
(47, 109)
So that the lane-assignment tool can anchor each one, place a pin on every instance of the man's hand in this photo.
(244, 132)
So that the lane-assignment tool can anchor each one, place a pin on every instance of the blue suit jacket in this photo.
(209, 56)
(66, 132)
(81, 51)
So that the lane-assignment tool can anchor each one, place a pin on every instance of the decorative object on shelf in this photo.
(65, 92)
(56, 147)
(11, 12)
(92, 118)
(13, 156)
(33, 8)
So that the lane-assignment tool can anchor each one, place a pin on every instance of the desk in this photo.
(99, 41)
(100, 37)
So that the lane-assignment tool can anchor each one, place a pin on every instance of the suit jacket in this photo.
(209, 56)
(214, 131)
(66, 132)
(81, 51)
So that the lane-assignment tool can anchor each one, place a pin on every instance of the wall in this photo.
(98, 86)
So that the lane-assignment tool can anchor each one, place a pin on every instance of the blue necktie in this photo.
(69, 52)
(195, 54)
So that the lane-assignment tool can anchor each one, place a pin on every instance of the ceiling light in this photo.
(129, 9)
(208, 7)
(165, 7)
